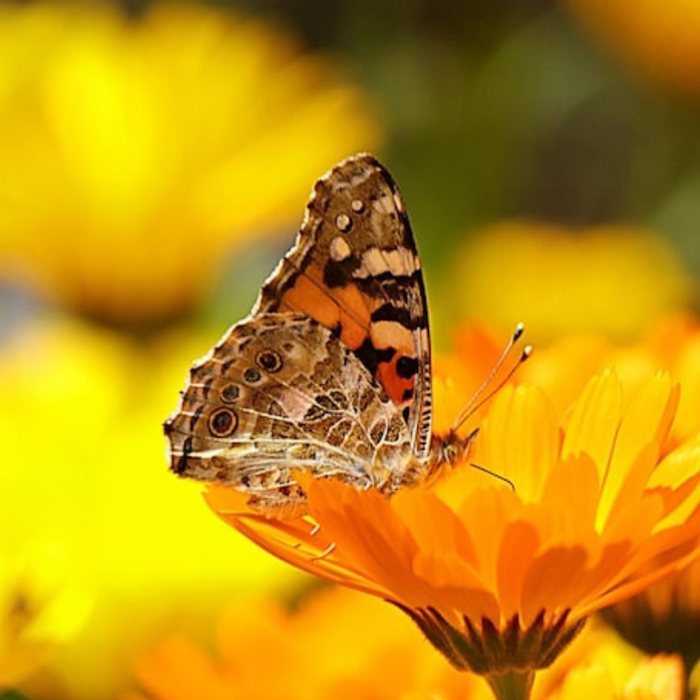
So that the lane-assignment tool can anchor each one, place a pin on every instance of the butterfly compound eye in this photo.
(223, 422)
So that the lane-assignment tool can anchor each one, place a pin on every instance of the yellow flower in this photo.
(664, 618)
(608, 280)
(339, 645)
(39, 608)
(84, 470)
(601, 665)
(501, 580)
(135, 154)
(658, 678)
(656, 39)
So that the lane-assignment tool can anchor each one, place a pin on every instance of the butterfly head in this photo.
(451, 449)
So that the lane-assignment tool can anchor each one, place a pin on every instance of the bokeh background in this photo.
(155, 161)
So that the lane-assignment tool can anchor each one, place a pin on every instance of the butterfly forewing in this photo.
(355, 269)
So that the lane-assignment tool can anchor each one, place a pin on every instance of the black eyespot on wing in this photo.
(222, 422)
(252, 376)
(269, 360)
(407, 367)
(230, 393)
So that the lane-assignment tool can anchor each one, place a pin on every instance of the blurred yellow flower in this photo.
(136, 153)
(601, 665)
(608, 280)
(338, 645)
(84, 468)
(658, 678)
(666, 616)
(341, 645)
(500, 581)
(39, 608)
(659, 40)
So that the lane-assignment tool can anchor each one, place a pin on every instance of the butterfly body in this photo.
(330, 373)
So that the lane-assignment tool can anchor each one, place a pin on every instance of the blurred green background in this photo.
(518, 110)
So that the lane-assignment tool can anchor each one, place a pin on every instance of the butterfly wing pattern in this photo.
(330, 373)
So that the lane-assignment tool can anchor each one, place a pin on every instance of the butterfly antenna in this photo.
(485, 392)
(490, 473)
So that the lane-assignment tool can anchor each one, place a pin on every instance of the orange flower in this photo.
(672, 344)
(323, 651)
(264, 651)
(501, 580)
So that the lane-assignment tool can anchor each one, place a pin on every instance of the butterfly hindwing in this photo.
(280, 392)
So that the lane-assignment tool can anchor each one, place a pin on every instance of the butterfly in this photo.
(331, 371)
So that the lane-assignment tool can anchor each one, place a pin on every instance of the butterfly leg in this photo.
(330, 548)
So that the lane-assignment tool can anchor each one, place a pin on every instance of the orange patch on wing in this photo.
(394, 385)
(342, 305)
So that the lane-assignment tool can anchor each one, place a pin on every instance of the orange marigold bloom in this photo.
(672, 343)
(501, 579)
(322, 651)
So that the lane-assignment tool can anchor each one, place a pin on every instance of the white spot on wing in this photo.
(343, 222)
(339, 249)
(376, 262)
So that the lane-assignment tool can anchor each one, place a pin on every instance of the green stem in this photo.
(512, 685)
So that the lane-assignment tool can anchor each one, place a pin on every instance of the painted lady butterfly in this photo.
(330, 373)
